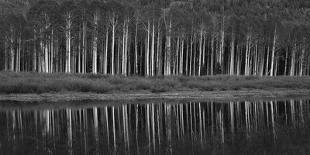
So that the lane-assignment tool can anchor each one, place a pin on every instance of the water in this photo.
(263, 127)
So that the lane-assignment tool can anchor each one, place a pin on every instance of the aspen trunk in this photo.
(113, 43)
(200, 52)
(12, 54)
(95, 43)
(6, 55)
(273, 52)
(147, 50)
(105, 55)
(84, 54)
(212, 54)
(292, 68)
(302, 58)
(232, 53)
(68, 43)
(136, 50)
(153, 51)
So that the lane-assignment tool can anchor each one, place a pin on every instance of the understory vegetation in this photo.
(59, 82)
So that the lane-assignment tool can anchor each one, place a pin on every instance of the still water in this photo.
(262, 127)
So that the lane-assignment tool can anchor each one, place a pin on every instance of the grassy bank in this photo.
(45, 83)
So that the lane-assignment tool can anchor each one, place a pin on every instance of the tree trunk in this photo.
(12, 54)
(6, 55)
(302, 57)
(136, 50)
(200, 52)
(285, 64)
(95, 43)
(212, 54)
(113, 42)
(84, 48)
(292, 68)
(105, 61)
(232, 53)
(68, 42)
(273, 52)
(153, 51)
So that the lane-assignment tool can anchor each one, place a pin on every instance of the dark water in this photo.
(264, 127)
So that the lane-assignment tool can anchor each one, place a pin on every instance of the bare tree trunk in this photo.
(136, 50)
(221, 56)
(181, 57)
(267, 59)
(153, 51)
(18, 51)
(147, 50)
(168, 51)
(159, 53)
(232, 53)
(302, 57)
(200, 52)
(286, 59)
(212, 54)
(113, 22)
(95, 43)
(247, 55)
(12, 54)
(105, 61)
(6, 55)
(68, 42)
(84, 54)
(292, 68)
(273, 52)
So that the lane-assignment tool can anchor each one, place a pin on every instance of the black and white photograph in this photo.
(154, 77)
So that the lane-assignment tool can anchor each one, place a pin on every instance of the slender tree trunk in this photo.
(168, 50)
(200, 52)
(12, 54)
(267, 59)
(136, 50)
(302, 57)
(181, 57)
(292, 68)
(147, 50)
(273, 52)
(105, 61)
(159, 53)
(18, 51)
(95, 43)
(212, 54)
(84, 48)
(113, 42)
(232, 53)
(153, 51)
(286, 59)
(68, 42)
(221, 56)
(6, 55)
(247, 55)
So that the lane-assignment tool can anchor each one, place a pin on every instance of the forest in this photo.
(156, 37)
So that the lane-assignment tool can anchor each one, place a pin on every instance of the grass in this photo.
(43, 83)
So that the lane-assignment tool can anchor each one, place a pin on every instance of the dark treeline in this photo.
(156, 37)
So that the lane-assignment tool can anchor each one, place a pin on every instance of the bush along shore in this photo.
(16, 83)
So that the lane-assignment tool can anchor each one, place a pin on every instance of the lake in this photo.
(245, 127)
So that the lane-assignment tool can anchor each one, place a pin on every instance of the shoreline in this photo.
(226, 95)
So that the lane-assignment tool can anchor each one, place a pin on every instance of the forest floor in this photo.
(66, 87)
